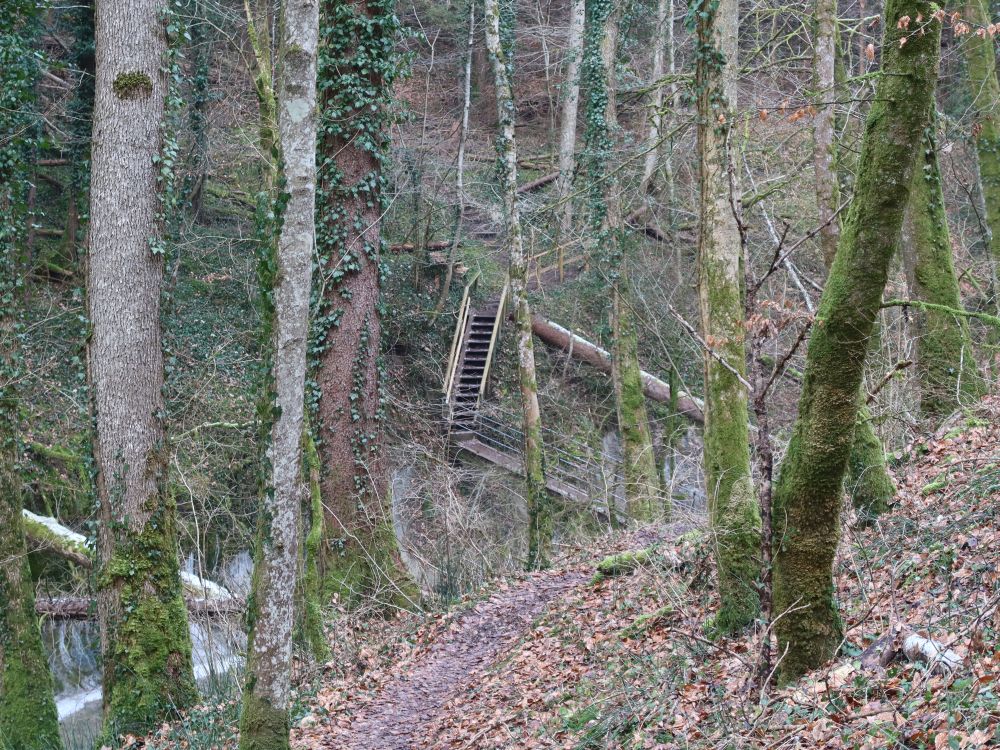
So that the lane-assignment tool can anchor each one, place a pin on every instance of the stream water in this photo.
(74, 648)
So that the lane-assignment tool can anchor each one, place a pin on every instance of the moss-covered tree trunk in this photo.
(984, 90)
(807, 498)
(733, 508)
(285, 271)
(28, 718)
(641, 484)
(499, 24)
(868, 481)
(357, 67)
(144, 631)
(946, 365)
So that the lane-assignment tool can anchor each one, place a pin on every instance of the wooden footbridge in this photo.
(493, 435)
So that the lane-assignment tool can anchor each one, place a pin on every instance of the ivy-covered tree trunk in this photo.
(642, 487)
(807, 498)
(358, 65)
(28, 719)
(567, 123)
(499, 21)
(144, 631)
(285, 271)
(946, 365)
(984, 90)
(733, 508)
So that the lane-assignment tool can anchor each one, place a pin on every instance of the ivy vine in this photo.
(19, 133)
(357, 68)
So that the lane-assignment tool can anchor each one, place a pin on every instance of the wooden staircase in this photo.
(499, 441)
(475, 356)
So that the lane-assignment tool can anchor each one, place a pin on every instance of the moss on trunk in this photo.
(946, 365)
(868, 483)
(27, 710)
(263, 726)
(733, 507)
(641, 483)
(807, 497)
(984, 89)
(642, 487)
(147, 650)
(499, 43)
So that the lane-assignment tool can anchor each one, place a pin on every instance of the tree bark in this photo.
(567, 124)
(984, 90)
(807, 498)
(144, 635)
(28, 717)
(653, 147)
(264, 722)
(642, 489)
(463, 137)
(539, 503)
(578, 347)
(733, 508)
(824, 127)
(946, 365)
(358, 64)
(868, 481)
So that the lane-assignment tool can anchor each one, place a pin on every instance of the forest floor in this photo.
(561, 660)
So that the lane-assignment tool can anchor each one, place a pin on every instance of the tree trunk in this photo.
(868, 481)
(824, 127)
(144, 632)
(567, 125)
(733, 508)
(984, 89)
(807, 498)
(463, 137)
(539, 503)
(28, 717)
(285, 282)
(358, 65)
(653, 147)
(946, 366)
(642, 486)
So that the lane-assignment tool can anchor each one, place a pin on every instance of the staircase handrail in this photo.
(456, 341)
(494, 336)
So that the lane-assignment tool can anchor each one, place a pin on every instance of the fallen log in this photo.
(537, 183)
(556, 336)
(45, 534)
(409, 247)
(85, 608)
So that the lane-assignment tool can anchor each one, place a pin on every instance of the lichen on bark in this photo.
(641, 485)
(807, 498)
(145, 641)
(733, 510)
(499, 20)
